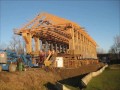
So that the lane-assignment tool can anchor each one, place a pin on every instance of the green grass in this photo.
(108, 80)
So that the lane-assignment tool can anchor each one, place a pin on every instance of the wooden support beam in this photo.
(46, 46)
(56, 48)
(72, 41)
(37, 44)
(58, 30)
(24, 35)
(28, 40)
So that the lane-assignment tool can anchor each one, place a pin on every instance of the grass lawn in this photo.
(108, 80)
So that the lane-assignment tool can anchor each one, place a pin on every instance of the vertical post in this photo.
(62, 48)
(71, 42)
(28, 40)
(46, 46)
(37, 44)
(85, 45)
(82, 46)
(30, 43)
(43, 44)
(40, 44)
(73, 39)
(59, 48)
(56, 47)
(80, 43)
(77, 44)
(89, 49)
(51, 46)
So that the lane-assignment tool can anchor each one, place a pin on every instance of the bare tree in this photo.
(115, 49)
(3, 46)
(13, 43)
(17, 44)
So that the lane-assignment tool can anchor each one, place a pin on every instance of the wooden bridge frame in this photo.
(59, 34)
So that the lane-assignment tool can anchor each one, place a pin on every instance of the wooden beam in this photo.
(28, 40)
(37, 43)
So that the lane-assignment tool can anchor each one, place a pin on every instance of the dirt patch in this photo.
(67, 73)
(39, 79)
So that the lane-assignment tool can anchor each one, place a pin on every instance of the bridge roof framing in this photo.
(50, 28)
(46, 34)
(53, 39)
(56, 27)
(82, 31)
(45, 17)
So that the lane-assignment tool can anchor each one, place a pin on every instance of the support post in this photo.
(46, 46)
(28, 40)
(37, 44)
(62, 48)
(51, 46)
(56, 47)
(59, 48)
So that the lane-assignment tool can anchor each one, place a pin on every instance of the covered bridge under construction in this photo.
(58, 34)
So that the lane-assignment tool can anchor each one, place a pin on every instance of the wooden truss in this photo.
(57, 30)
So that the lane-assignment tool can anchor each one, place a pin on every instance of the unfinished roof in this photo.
(50, 27)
